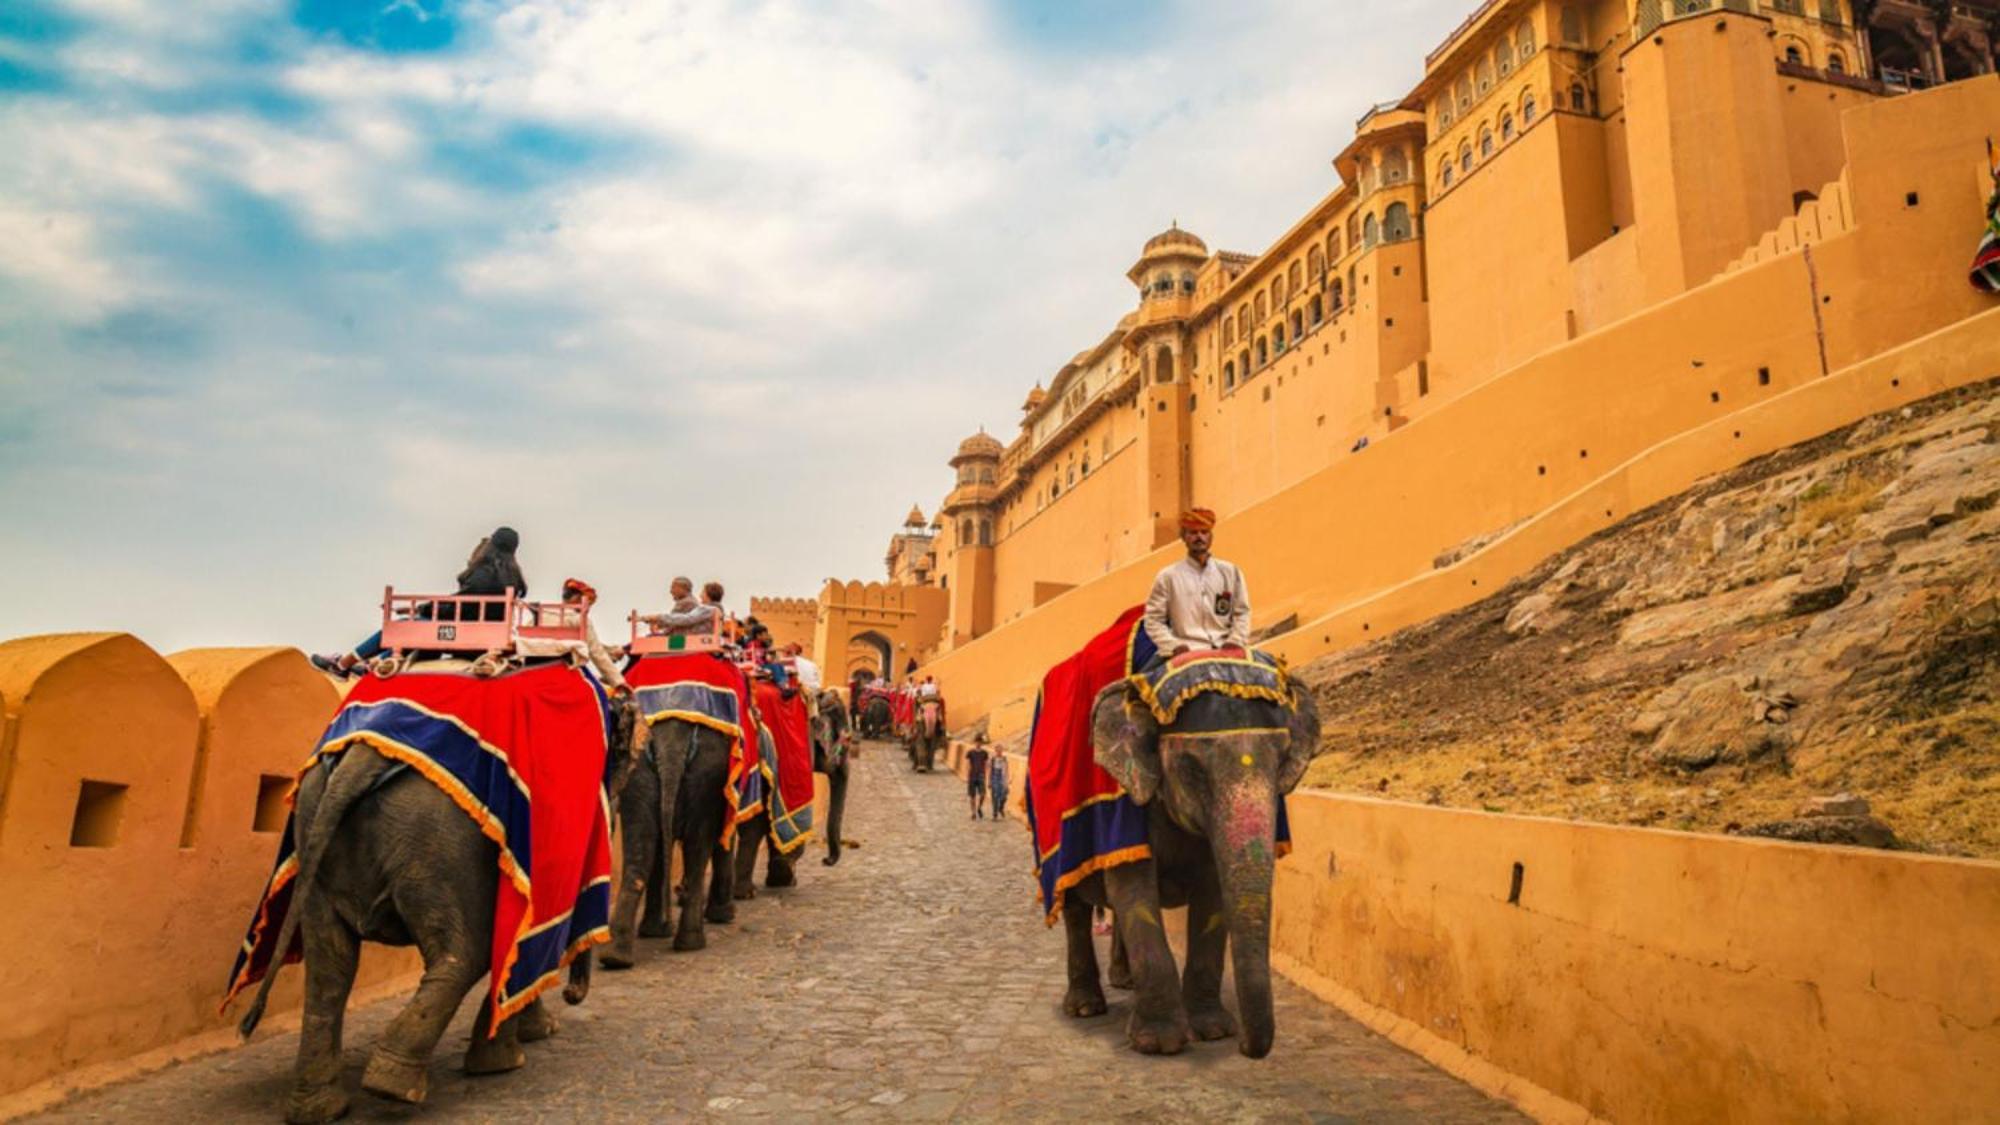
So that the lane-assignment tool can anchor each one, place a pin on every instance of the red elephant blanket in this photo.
(707, 690)
(524, 755)
(786, 765)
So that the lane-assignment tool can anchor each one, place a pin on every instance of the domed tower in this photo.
(968, 519)
(1157, 345)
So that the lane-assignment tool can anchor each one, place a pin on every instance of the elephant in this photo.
(385, 856)
(676, 789)
(878, 719)
(832, 755)
(1210, 785)
(927, 734)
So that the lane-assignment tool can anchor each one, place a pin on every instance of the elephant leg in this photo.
(778, 870)
(1120, 974)
(656, 921)
(1159, 1024)
(836, 803)
(695, 900)
(332, 952)
(721, 884)
(399, 1066)
(1085, 996)
(536, 1023)
(1207, 944)
(638, 821)
(499, 1053)
(749, 839)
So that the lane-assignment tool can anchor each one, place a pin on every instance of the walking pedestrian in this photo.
(996, 782)
(975, 776)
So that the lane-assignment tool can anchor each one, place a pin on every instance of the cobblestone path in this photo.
(915, 981)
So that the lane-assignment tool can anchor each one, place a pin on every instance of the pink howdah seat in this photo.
(644, 642)
(476, 623)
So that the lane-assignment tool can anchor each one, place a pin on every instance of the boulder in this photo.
(1535, 613)
(1854, 831)
(1840, 804)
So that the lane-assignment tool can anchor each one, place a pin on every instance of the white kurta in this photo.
(1198, 607)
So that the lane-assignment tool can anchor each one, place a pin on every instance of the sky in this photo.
(299, 300)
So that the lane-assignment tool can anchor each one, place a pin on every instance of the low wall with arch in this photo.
(140, 802)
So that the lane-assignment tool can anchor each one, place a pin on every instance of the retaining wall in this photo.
(1648, 976)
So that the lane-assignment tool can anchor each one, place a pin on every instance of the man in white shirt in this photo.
(1199, 602)
(808, 671)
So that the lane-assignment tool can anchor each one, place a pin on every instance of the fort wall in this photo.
(1519, 444)
(140, 801)
(1646, 976)
(790, 619)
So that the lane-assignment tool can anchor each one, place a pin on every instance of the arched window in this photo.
(1294, 277)
(1443, 116)
(1572, 24)
(1444, 172)
(1506, 127)
(1339, 296)
(1364, 173)
(1228, 330)
(1835, 64)
(1793, 55)
(1278, 292)
(1242, 367)
(1464, 156)
(1243, 322)
(1353, 229)
(1187, 283)
(1464, 93)
(1332, 248)
(1579, 98)
(1829, 12)
(1317, 309)
(1278, 337)
(1315, 264)
(1163, 366)
(1396, 223)
(965, 532)
(1262, 309)
(1503, 58)
(1485, 76)
(1395, 166)
(986, 531)
(1485, 141)
(1229, 374)
(1298, 324)
(1527, 109)
(1263, 351)
(1371, 231)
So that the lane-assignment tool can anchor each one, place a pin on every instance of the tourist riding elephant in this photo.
(832, 754)
(1210, 784)
(878, 719)
(927, 734)
(386, 856)
(674, 790)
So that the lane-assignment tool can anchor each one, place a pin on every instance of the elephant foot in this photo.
(1119, 976)
(746, 891)
(690, 940)
(1212, 1024)
(781, 879)
(312, 1105)
(1167, 1036)
(493, 1056)
(655, 930)
(618, 955)
(536, 1023)
(721, 915)
(1082, 1002)
(399, 1080)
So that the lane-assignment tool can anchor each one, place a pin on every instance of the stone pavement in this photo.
(915, 981)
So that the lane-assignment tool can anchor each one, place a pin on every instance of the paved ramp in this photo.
(915, 981)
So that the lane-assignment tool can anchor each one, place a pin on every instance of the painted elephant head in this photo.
(1218, 771)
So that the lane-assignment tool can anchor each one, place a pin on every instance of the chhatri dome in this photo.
(981, 444)
(1169, 253)
(1175, 238)
(915, 518)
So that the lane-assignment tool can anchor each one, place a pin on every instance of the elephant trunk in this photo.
(1245, 853)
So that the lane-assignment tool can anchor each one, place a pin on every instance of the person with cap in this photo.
(1199, 602)
(578, 593)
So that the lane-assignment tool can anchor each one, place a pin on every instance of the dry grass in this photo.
(1839, 501)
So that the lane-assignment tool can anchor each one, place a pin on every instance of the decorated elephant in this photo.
(1210, 783)
(775, 805)
(878, 717)
(927, 734)
(833, 751)
(675, 790)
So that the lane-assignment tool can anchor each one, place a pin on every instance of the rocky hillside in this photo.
(1806, 647)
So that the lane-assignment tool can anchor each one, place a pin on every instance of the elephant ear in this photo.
(1126, 741)
(1304, 745)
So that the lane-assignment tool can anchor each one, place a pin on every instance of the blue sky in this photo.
(300, 299)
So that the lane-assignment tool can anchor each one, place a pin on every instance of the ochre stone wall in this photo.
(140, 800)
(1649, 976)
(791, 620)
(1891, 291)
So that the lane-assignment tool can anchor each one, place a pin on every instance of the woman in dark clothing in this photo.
(489, 572)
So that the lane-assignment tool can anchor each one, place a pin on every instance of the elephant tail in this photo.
(354, 776)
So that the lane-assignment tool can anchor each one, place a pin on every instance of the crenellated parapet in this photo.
(141, 799)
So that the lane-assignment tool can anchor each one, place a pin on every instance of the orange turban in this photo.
(578, 587)
(1198, 519)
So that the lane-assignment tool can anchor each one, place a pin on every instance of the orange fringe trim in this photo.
(1091, 867)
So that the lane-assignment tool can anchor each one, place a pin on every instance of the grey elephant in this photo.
(385, 856)
(673, 790)
(1210, 784)
(833, 752)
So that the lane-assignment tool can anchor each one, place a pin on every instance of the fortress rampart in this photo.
(140, 801)
(1810, 337)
